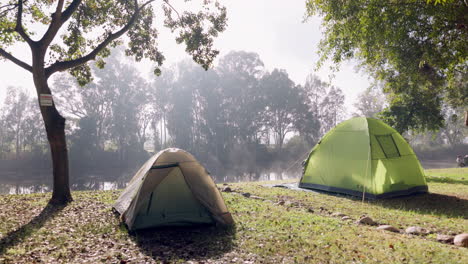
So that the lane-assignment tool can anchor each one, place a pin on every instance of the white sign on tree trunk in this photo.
(46, 100)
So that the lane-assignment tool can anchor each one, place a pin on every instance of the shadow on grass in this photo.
(446, 180)
(174, 244)
(423, 203)
(17, 236)
(429, 203)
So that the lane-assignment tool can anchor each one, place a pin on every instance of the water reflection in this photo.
(93, 182)
(23, 188)
(438, 164)
(31, 187)
(42, 182)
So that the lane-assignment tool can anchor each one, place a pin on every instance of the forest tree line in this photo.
(238, 119)
(235, 118)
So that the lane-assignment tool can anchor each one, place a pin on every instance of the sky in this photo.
(272, 28)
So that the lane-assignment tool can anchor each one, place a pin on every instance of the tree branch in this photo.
(143, 5)
(70, 10)
(59, 8)
(65, 65)
(55, 24)
(7, 5)
(19, 24)
(10, 7)
(13, 59)
(167, 3)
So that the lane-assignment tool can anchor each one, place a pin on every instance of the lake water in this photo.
(27, 187)
(42, 184)
(438, 164)
(13, 184)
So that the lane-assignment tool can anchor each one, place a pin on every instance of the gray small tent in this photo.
(171, 188)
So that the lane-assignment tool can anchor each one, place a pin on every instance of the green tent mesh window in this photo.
(388, 146)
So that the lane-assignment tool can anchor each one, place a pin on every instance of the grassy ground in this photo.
(284, 226)
(453, 175)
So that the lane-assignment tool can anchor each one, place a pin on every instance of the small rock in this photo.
(346, 218)
(310, 210)
(388, 228)
(225, 184)
(338, 214)
(257, 197)
(227, 189)
(280, 186)
(445, 238)
(366, 221)
(461, 240)
(246, 194)
(414, 230)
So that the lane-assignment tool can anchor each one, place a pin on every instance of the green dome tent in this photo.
(364, 157)
(171, 188)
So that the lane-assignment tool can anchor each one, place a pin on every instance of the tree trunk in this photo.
(165, 130)
(466, 118)
(17, 141)
(55, 129)
(162, 133)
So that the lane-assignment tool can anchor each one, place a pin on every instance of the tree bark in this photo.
(55, 127)
(55, 130)
(466, 118)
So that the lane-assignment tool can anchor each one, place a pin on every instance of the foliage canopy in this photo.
(89, 28)
(417, 47)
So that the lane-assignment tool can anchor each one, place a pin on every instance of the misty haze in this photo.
(243, 122)
(233, 131)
